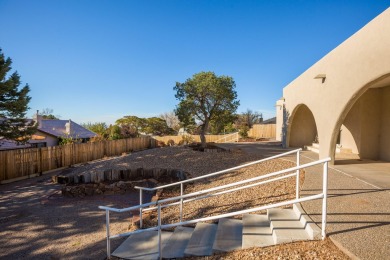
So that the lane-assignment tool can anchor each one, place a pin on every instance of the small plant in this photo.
(186, 139)
(243, 132)
(68, 139)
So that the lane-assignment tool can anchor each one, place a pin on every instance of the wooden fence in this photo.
(195, 138)
(24, 163)
(263, 131)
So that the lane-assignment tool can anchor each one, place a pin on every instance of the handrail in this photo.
(181, 183)
(192, 197)
(220, 172)
(226, 136)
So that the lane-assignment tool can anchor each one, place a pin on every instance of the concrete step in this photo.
(202, 239)
(286, 226)
(177, 243)
(311, 228)
(142, 245)
(229, 235)
(256, 231)
(313, 149)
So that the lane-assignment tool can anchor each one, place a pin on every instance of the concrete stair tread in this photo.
(286, 226)
(229, 235)
(202, 239)
(142, 245)
(281, 214)
(177, 243)
(256, 231)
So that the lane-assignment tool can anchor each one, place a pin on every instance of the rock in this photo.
(107, 175)
(89, 191)
(86, 177)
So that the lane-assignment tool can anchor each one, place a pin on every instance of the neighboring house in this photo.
(343, 100)
(50, 132)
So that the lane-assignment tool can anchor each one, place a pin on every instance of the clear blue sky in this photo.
(96, 61)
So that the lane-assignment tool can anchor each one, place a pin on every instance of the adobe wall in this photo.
(359, 63)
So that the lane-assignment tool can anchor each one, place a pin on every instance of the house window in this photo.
(38, 145)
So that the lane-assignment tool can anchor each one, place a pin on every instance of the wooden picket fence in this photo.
(24, 163)
(196, 138)
(263, 131)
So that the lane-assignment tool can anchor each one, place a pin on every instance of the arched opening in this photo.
(303, 129)
(365, 124)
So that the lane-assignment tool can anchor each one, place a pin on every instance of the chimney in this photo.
(67, 127)
(38, 119)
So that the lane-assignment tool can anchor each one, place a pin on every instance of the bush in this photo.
(187, 139)
(244, 131)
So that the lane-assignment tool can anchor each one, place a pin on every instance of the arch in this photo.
(302, 127)
(381, 84)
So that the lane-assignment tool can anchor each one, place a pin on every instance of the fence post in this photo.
(297, 172)
(324, 200)
(181, 202)
(108, 234)
(159, 232)
(140, 209)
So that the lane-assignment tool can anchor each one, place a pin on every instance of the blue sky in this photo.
(96, 61)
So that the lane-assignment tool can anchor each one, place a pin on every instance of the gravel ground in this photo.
(37, 223)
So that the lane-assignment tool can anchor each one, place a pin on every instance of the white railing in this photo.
(209, 193)
(228, 138)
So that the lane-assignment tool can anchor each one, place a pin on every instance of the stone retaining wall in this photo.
(110, 182)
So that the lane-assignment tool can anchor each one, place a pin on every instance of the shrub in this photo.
(244, 131)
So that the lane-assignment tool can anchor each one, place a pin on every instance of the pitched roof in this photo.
(269, 121)
(6, 144)
(58, 128)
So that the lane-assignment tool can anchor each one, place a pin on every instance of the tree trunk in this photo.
(203, 130)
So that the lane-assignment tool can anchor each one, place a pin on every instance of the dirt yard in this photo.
(36, 222)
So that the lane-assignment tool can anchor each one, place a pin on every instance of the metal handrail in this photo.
(181, 183)
(322, 195)
(220, 172)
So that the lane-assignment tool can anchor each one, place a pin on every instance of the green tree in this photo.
(204, 98)
(99, 128)
(13, 105)
(157, 126)
(131, 125)
(114, 132)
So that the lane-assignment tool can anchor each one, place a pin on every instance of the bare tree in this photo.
(172, 120)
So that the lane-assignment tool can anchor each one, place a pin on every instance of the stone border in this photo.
(114, 181)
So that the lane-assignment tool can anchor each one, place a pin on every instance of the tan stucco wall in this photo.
(303, 128)
(385, 127)
(49, 139)
(357, 64)
(366, 128)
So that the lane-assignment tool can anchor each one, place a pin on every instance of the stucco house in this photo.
(50, 132)
(343, 100)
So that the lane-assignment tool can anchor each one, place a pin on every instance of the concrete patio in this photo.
(358, 203)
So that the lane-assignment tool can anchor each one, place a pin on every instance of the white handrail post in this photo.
(140, 209)
(108, 234)
(297, 181)
(324, 200)
(159, 232)
(181, 202)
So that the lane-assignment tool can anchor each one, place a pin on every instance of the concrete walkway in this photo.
(358, 219)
